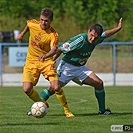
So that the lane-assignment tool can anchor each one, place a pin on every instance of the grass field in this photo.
(82, 102)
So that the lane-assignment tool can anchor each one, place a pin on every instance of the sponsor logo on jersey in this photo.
(83, 61)
(86, 54)
(66, 46)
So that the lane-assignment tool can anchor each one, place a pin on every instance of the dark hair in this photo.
(47, 12)
(97, 28)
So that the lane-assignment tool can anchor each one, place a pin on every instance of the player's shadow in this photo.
(27, 124)
(113, 114)
(94, 114)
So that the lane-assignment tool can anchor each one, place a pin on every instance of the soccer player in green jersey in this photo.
(76, 51)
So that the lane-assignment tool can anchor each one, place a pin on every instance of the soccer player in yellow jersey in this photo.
(43, 41)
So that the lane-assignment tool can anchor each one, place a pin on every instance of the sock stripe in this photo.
(30, 93)
(65, 104)
(99, 91)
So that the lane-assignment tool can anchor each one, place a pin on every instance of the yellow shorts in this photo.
(33, 69)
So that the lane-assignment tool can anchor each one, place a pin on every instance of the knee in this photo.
(51, 90)
(99, 84)
(27, 88)
(56, 88)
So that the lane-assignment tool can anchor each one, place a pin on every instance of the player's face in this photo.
(45, 22)
(92, 36)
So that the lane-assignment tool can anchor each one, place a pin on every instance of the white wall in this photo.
(122, 79)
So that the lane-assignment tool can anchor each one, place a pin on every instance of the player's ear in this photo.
(88, 30)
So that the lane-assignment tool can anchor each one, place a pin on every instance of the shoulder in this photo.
(32, 22)
(103, 34)
(53, 32)
(83, 35)
(79, 37)
(102, 37)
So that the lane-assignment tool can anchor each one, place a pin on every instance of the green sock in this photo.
(100, 95)
(45, 94)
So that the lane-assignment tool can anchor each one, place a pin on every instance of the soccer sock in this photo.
(100, 95)
(35, 96)
(45, 94)
(62, 99)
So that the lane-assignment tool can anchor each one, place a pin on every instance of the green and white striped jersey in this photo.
(78, 49)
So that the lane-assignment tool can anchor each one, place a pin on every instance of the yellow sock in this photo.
(35, 96)
(62, 99)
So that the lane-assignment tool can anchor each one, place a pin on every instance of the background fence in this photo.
(111, 61)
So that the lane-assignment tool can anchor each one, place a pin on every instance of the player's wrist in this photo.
(45, 56)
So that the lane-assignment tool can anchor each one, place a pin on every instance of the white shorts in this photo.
(68, 72)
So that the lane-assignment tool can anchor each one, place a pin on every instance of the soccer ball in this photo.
(39, 109)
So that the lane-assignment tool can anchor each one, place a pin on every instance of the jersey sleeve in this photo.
(102, 37)
(32, 21)
(72, 44)
(28, 23)
(54, 39)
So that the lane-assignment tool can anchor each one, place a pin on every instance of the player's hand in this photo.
(42, 57)
(20, 37)
(120, 24)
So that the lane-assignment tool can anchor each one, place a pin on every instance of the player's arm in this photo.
(58, 53)
(25, 30)
(51, 53)
(114, 30)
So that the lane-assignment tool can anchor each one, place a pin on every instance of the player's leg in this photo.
(64, 78)
(46, 93)
(32, 94)
(30, 78)
(55, 87)
(97, 83)
(48, 70)
(86, 76)
(63, 101)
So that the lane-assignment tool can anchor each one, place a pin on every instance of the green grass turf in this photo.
(82, 102)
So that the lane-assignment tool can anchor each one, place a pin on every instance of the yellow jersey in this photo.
(40, 40)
